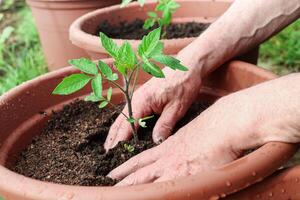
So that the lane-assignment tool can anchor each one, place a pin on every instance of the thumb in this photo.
(166, 122)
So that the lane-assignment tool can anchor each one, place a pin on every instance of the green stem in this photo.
(113, 105)
(130, 112)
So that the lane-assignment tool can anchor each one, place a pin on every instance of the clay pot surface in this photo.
(282, 185)
(53, 18)
(20, 122)
(204, 11)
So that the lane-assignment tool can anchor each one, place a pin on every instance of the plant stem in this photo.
(113, 105)
(129, 106)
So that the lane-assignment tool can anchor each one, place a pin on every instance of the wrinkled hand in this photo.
(170, 97)
(237, 122)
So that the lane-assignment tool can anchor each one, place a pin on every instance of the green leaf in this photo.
(85, 65)
(141, 2)
(142, 122)
(72, 84)
(152, 14)
(129, 147)
(166, 18)
(109, 94)
(158, 50)
(152, 69)
(131, 120)
(149, 42)
(93, 98)
(103, 104)
(97, 85)
(149, 23)
(125, 3)
(109, 45)
(169, 61)
(1, 198)
(107, 72)
(6, 33)
(126, 56)
(120, 67)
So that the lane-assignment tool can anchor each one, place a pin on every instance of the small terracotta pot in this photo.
(53, 18)
(20, 122)
(83, 29)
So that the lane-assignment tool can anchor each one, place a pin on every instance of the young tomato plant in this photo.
(167, 9)
(127, 63)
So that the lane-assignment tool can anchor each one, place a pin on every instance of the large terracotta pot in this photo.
(282, 185)
(83, 29)
(20, 121)
(53, 18)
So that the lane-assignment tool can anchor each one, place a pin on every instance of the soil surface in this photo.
(135, 30)
(70, 148)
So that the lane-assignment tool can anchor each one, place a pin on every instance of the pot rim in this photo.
(240, 173)
(90, 42)
(68, 4)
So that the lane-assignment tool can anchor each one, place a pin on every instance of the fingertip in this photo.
(158, 138)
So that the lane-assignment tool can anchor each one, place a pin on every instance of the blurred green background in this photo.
(21, 56)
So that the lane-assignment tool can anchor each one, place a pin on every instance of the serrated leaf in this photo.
(149, 42)
(169, 61)
(126, 56)
(107, 72)
(158, 50)
(97, 85)
(152, 69)
(120, 67)
(85, 65)
(92, 97)
(103, 104)
(71, 84)
(109, 94)
(109, 45)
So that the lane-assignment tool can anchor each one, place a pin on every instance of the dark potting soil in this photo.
(135, 30)
(70, 148)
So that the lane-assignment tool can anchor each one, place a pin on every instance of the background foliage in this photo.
(21, 56)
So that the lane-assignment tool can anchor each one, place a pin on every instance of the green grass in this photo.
(281, 53)
(21, 56)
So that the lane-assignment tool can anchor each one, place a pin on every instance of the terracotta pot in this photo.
(282, 185)
(53, 18)
(20, 121)
(83, 29)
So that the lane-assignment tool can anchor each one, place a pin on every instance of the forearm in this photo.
(245, 24)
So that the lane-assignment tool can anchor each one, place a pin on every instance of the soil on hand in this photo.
(135, 30)
(70, 148)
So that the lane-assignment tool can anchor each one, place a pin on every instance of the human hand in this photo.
(170, 97)
(237, 122)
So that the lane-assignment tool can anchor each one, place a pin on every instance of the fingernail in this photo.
(158, 139)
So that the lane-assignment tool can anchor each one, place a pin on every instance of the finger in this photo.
(147, 174)
(114, 129)
(139, 161)
(166, 122)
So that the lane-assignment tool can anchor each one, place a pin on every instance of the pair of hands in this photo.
(218, 136)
